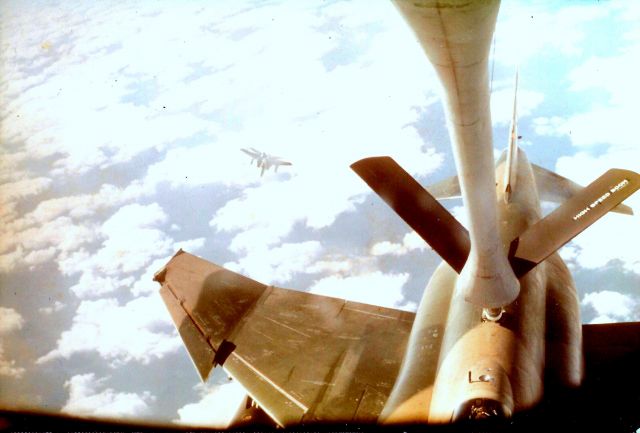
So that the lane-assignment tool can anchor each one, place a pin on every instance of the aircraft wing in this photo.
(251, 152)
(612, 356)
(609, 343)
(301, 357)
(610, 394)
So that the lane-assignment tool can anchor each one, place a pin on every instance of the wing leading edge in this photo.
(302, 357)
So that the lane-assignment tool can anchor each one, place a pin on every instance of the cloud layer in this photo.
(10, 321)
(612, 306)
(121, 131)
(139, 330)
(216, 408)
(88, 396)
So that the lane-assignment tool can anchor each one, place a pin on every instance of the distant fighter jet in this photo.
(498, 329)
(264, 161)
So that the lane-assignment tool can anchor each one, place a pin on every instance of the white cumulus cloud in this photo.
(14, 191)
(145, 283)
(525, 31)
(217, 406)
(132, 239)
(279, 264)
(266, 214)
(612, 306)
(8, 367)
(88, 396)
(10, 320)
(502, 105)
(374, 288)
(57, 306)
(554, 126)
(410, 242)
(59, 227)
(140, 330)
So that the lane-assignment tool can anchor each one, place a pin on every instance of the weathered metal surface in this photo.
(201, 353)
(302, 357)
(456, 36)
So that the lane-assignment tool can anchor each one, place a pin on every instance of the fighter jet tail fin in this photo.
(581, 210)
(558, 189)
(417, 207)
(446, 189)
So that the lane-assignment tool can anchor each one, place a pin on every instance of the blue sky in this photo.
(121, 129)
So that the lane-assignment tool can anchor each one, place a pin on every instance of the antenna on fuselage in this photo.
(510, 173)
(493, 63)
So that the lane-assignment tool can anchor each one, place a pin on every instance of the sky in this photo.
(121, 129)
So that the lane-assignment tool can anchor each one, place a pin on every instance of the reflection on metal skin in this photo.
(478, 409)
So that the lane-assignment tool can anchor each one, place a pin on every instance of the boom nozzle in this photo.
(488, 281)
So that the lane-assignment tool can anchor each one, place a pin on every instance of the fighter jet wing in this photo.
(610, 389)
(301, 357)
(612, 356)
(251, 152)
(608, 343)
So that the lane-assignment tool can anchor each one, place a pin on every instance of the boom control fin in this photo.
(558, 189)
(417, 208)
(583, 209)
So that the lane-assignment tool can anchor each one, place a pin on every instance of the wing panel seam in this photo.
(270, 382)
(195, 323)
